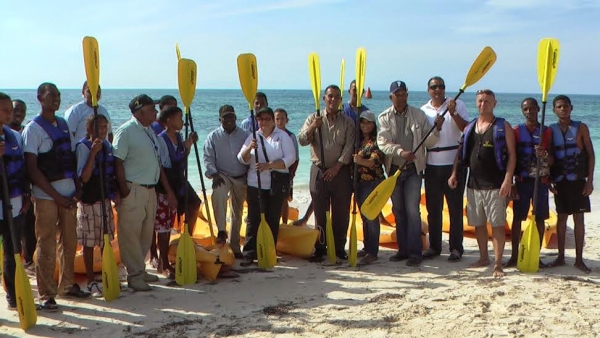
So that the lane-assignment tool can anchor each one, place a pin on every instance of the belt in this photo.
(437, 149)
(238, 177)
(147, 186)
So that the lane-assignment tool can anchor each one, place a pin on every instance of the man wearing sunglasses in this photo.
(440, 160)
(488, 150)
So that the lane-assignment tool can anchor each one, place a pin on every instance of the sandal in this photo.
(48, 305)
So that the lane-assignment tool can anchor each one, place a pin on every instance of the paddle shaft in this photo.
(101, 168)
(189, 116)
(538, 162)
(185, 174)
(256, 155)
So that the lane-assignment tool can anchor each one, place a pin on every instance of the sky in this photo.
(405, 40)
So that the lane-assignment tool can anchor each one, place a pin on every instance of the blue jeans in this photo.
(405, 200)
(371, 229)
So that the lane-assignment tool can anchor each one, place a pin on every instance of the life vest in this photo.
(90, 191)
(526, 159)
(499, 134)
(157, 127)
(60, 162)
(570, 162)
(14, 164)
(175, 174)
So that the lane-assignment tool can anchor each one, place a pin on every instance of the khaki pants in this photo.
(136, 215)
(236, 189)
(52, 220)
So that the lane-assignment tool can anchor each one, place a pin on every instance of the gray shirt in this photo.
(405, 137)
(221, 150)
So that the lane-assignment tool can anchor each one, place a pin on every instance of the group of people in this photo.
(55, 163)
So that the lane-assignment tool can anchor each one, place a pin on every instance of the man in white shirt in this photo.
(440, 159)
(78, 114)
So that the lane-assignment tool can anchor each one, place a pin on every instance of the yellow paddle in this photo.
(379, 197)
(361, 66)
(314, 69)
(547, 64)
(185, 263)
(111, 286)
(342, 70)
(265, 244)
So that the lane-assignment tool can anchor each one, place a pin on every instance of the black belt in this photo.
(436, 149)
(238, 177)
(147, 186)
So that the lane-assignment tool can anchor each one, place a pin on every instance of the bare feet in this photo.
(481, 262)
(559, 261)
(512, 262)
(498, 272)
(581, 266)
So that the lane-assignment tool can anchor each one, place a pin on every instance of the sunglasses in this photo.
(485, 92)
(434, 87)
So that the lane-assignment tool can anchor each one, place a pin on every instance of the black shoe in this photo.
(361, 254)
(238, 255)
(430, 253)
(413, 261)
(342, 255)
(455, 256)
(398, 257)
(246, 262)
(317, 258)
(48, 305)
(221, 237)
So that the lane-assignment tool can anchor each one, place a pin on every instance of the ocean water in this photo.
(298, 104)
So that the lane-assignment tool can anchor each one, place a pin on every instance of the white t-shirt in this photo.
(278, 146)
(36, 141)
(15, 202)
(449, 135)
(77, 115)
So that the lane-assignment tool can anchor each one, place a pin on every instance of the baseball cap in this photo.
(226, 110)
(367, 115)
(397, 85)
(139, 101)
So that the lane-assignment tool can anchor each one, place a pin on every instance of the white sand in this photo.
(386, 299)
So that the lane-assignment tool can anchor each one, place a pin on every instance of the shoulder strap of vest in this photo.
(85, 142)
(8, 136)
(61, 124)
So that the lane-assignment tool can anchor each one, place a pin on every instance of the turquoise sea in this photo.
(299, 103)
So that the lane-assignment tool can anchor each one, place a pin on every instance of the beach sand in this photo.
(386, 299)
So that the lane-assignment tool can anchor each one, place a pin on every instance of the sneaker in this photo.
(367, 259)
(95, 289)
(12, 307)
(398, 257)
(75, 292)
(430, 253)
(246, 262)
(455, 256)
(137, 283)
(48, 305)
(361, 254)
(148, 278)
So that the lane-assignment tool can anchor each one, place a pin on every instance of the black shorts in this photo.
(569, 198)
(525, 190)
(194, 200)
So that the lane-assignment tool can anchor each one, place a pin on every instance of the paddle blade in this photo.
(330, 240)
(186, 71)
(379, 197)
(314, 70)
(352, 257)
(361, 65)
(265, 245)
(248, 74)
(177, 51)
(111, 287)
(343, 67)
(91, 58)
(185, 263)
(482, 64)
(529, 249)
(25, 302)
(548, 53)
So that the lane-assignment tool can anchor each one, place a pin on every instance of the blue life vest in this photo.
(60, 162)
(570, 162)
(500, 150)
(14, 164)
(90, 191)
(526, 159)
(175, 174)
(157, 127)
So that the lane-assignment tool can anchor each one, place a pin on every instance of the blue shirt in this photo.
(350, 113)
(246, 124)
(221, 150)
(137, 146)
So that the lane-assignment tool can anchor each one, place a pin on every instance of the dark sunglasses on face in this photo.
(434, 87)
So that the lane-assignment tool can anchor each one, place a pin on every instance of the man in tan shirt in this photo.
(330, 182)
